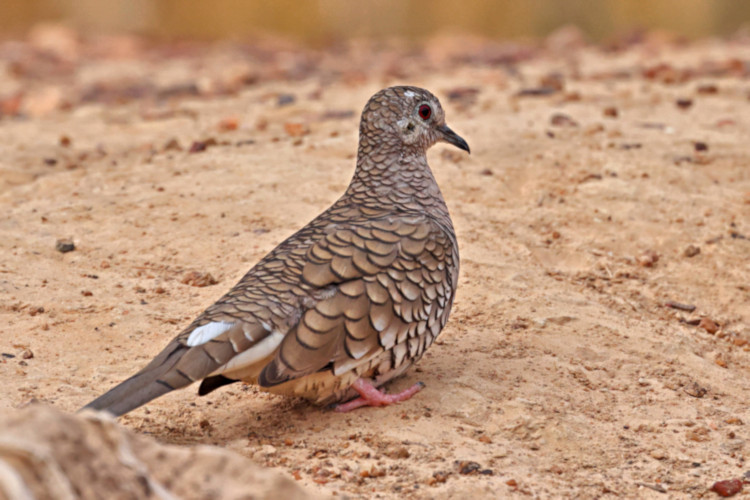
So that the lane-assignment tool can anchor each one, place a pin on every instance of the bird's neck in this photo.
(396, 178)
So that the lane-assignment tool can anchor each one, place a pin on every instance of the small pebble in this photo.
(709, 325)
(468, 467)
(200, 146)
(65, 245)
(553, 81)
(708, 89)
(33, 311)
(648, 259)
(536, 92)
(228, 124)
(721, 361)
(562, 120)
(681, 307)
(695, 390)
(692, 251)
(294, 129)
(438, 477)
(172, 145)
(285, 99)
(198, 279)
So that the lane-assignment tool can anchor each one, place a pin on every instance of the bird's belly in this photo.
(325, 387)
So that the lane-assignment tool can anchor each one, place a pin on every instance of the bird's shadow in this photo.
(257, 417)
(214, 423)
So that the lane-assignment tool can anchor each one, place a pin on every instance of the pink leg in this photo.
(371, 396)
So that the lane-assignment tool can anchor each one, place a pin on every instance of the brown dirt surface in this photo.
(608, 188)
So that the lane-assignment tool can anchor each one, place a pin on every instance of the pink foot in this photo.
(369, 395)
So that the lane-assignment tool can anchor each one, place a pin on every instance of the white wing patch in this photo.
(257, 352)
(207, 332)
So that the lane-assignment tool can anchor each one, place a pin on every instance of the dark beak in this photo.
(451, 137)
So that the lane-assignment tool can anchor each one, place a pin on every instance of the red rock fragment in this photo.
(228, 124)
(727, 488)
(11, 106)
(296, 129)
(198, 279)
(709, 325)
(708, 89)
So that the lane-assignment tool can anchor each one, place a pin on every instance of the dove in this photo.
(348, 302)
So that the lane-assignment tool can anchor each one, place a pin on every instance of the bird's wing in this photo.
(391, 284)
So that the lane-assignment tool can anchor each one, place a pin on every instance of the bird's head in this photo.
(408, 117)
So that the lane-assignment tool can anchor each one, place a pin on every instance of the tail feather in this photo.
(179, 365)
(156, 379)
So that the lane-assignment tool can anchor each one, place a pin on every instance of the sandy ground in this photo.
(580, 214)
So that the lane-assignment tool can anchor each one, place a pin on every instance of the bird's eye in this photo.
(425, 112)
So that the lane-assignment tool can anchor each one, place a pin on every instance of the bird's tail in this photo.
(179, 365)
(162, 375)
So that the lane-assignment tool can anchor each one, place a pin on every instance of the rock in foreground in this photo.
(45, 453)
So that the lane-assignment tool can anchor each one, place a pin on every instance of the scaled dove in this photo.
(348, 302)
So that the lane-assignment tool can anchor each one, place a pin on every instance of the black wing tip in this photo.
(210, 384)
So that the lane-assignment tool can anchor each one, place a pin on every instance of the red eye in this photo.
(425, 112)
